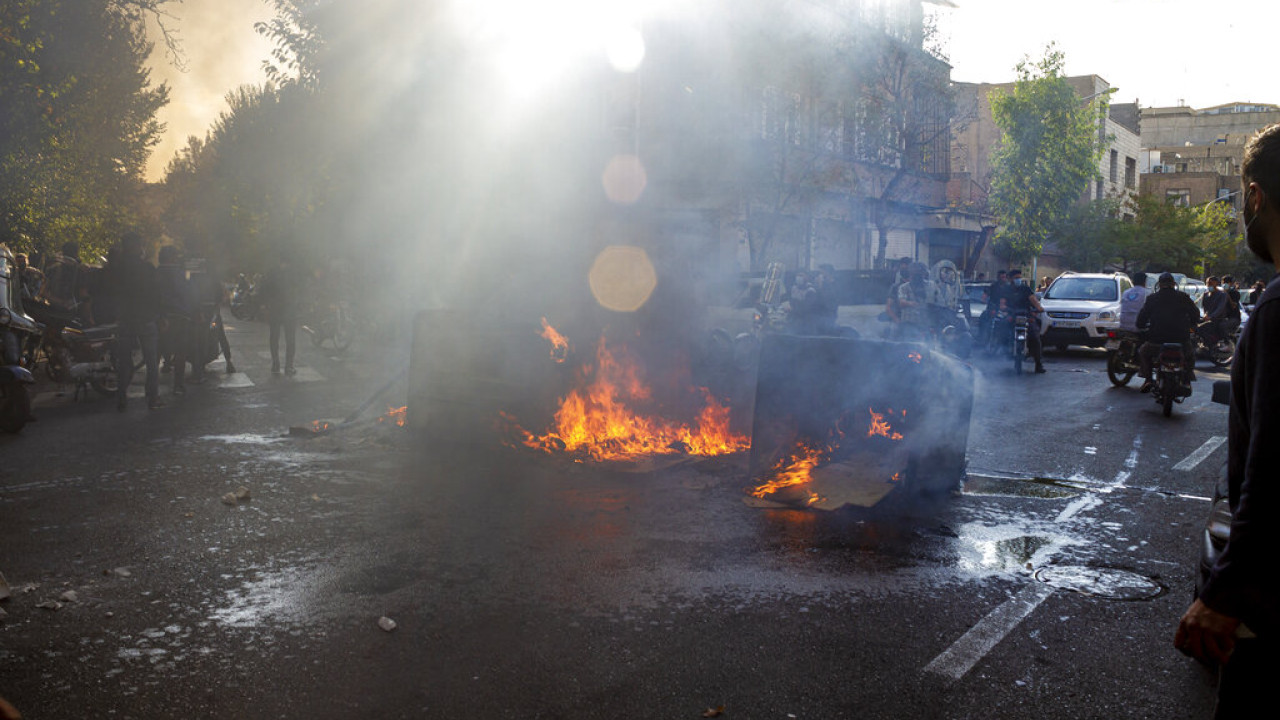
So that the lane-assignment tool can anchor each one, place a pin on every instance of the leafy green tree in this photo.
(77, 120)
(1090, 236)
(1048, 152)
(1164, 236)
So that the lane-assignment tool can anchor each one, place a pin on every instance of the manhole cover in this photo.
(1100, 582)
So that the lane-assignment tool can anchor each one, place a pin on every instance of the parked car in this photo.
(973, 302)
(1081, 308)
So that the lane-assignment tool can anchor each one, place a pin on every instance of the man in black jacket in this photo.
(1236, 618)
(131, 283)
(1170, 316)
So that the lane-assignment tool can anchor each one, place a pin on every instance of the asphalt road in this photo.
(527, 586)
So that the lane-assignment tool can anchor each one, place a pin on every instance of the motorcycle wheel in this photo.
(15, 407)
(105, 383)
(1166, 401)
(1223, 352)
(1019, 353)
(1116, 371)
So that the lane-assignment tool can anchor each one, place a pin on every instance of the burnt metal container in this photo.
(886, 418)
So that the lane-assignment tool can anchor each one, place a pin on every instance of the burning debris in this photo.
(847, 422)
(559, 343)
(611, 415)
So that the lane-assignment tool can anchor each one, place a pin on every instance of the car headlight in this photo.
(1219, 525)
(1106, 315)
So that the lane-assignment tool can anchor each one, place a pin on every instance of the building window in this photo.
(1130, 173)
(1178, 198)
(1115, 169)
(1098, 193)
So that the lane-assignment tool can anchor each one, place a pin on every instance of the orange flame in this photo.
(599, 420)
(319, 426)
(795, 469)
(896, 477)
(915, 357)
(559, 343)
(397, 415)
(880, 426)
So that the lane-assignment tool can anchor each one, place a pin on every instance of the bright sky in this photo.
(1160, 52)
(1157, 51)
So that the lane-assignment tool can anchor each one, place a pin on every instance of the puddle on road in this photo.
(1032, 487)
(244, 439)
(275, 597)
(982, 548)
(1103, 582)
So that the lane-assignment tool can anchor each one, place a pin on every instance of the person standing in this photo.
(1236, 617)
(131, 282)
(280, 296)
(176, 315)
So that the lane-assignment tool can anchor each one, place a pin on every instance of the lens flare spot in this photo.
(622, 278)
(624, 179)
(625, 49)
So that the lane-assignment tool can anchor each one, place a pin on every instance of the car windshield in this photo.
(1101, 289)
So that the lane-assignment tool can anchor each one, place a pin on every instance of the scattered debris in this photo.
(386, 623)
(189, 515)
(69, 596)
(315, 497)
(235, 498)
(713, 712)
(50, 605)
(122, 572)
(110, 614)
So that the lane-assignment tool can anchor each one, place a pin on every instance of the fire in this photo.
(796, 469)
(880, 426)
(559, 343)
(599, 420)
(915, 357)
(396, 415)
(319, 426)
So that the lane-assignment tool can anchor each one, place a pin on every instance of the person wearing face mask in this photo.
(1022, 299)
(1235, 620)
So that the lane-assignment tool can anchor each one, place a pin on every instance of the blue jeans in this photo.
(146, 336)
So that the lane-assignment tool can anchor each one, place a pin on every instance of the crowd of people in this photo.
(171, 312)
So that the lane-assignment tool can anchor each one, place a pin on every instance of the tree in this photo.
(1049, 149)
(1165, 236)
(1091, 236)
(77, 120)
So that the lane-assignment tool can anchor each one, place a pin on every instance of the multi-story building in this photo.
(1192, 157)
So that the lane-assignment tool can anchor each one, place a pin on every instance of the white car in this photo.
(1079, 309)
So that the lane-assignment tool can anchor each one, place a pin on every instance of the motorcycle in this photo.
(334, 325)
(1170, 385)
(1122, 356)
(1021, 324)
(245, 303)
(1217, 346)
(83, 356)
(15, 327)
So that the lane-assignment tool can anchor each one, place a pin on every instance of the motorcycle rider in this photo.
(986, 322)
(1232, 320)
(1170, 316)
(1215, 304)
(1132, 301)
(1022, 299)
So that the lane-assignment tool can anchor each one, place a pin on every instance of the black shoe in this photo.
(290, 371)
(155, 404)
(275, 368)
(230, 368)
(1147, 385)
(1040, 369)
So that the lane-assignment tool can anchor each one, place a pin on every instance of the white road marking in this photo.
(1201, 453)
(964, 653)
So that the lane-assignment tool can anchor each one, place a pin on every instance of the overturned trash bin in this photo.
(843, 421)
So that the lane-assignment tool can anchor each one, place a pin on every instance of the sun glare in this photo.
(533, 44)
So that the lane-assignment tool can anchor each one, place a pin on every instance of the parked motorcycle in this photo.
(1170, 383)
(15, 328)
(83, 356)
(332, 324)
(1218, 347)
(245, 303)
(1122, 356)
